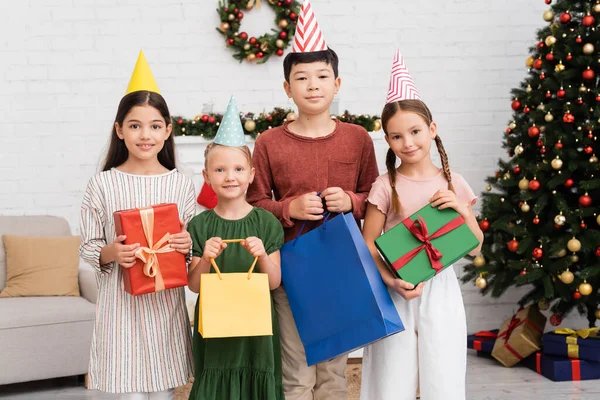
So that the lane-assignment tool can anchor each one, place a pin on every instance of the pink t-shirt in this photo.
(414, 194)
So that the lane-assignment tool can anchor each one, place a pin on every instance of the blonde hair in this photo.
(212, 145)
(419, 108)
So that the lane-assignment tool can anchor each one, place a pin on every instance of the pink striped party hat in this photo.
(402, 86)
(308, 36)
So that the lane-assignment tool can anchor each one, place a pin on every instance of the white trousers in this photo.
(164, 395)
(432, 350)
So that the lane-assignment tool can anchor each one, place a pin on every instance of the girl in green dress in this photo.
(238, 368)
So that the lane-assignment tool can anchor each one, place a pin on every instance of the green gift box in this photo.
(425, 243)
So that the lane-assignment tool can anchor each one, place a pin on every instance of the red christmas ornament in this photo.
(517, 170)
(598, 251)
(515, 105)
(279, 52)
(561, 93)
(542, 76)
(211, 120)
(534, 184)
(240, 15)
(557, 227)
(569, 183)
(283, 35)
(524, 272)
(565, 18)
(590, 135)
(287, 3)
(549, 56)
(558, 145)
(236, 10)
(484, 225)
(585, 200)
(537, 64)
(540, 45)
(588, 74)
(580, 101)
(569, 57)
(598, 98)
(543, 150)
(576, 295)
(526, 110)
(583, 225)
(513, 245)
(180, 121)
(588, 149)
(293, 15)
(243, 35)
(555, 320)
(588, 20)
(548, 1)
(252, 40)
(230, 41)
(539, 143)
(534, 131)
(569, 118)
(260, 54)
(269, 118)
(537, 253)
(508, 131)
(548, 94)
(536, 220)
(226, 9)
(204, 118)
(578, 40)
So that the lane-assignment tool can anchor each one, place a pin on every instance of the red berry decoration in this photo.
(536, 221)
(588, 20)
(598, 251)
(588, 149)
(569, 183)
(561, 93)
(534, 131)
(537, 253)
(513, 245)
(516, 105)
(555, 320)
(588, 74)
(283, 35)
(537, 64)
(279, 52)
(204, 118)
(576, 295)
(585, 200)
(568, 118)
(484, 225)
(230, 41)
(565, 18)
(534, 184)
(211, 120)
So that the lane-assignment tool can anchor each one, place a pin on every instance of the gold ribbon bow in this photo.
(149, 255)
(571, 339)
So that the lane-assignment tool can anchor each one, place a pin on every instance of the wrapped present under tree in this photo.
(561, 369)
(581, 344)
(482, 341)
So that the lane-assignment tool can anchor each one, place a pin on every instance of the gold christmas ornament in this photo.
(567, 277)
(574, 245)
(593, 159)
(247, 46)
(231, 17)
(560, 220)
(557, 163)
(479, 261)
(488, 188)
(588, 48)
(283, 23)
(561, 253)
(574, 258)
(525, 207)
(519, 149)
(512, 125)
(597, 313)
(376, 125)
(251, 57)
(480, 282)
(524, 184)
(528, 89)
(550, 40)
(224, 26)
(501, 199)
(548, 15)
(549, 117)
(249, 125)
(541, 107)
(559, 67)
(585, 288)
(543, 304)
(291, 117)
(582, 88)
(596, 8)
(529, 62)
(279, 43)
(598, 219)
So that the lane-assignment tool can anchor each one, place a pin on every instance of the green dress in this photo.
(246, 368)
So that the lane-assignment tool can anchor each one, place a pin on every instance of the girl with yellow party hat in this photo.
(141, 345)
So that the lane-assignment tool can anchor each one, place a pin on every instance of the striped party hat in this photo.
(308, 36)
(402, 86)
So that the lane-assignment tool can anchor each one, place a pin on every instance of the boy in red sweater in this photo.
(293, 163)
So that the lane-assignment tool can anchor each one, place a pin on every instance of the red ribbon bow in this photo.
(419, 230)
(486, 334)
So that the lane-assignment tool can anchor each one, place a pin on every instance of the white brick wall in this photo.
(64, 65)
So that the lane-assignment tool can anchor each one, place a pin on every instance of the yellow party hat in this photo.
(142, 78)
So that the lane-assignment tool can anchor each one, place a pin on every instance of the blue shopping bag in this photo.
(338, 299)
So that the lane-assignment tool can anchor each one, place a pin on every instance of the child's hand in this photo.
(181, 242)
(124, 254)
(336, 200)
(254, 246)
(447, 199)
(213, 248)
(405, 289)
(307, 207)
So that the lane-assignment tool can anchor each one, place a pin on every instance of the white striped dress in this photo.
(140, 343)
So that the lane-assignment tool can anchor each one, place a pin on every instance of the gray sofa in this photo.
(44, 337)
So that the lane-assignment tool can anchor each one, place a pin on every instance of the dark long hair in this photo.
(419, 108)
(117, 151)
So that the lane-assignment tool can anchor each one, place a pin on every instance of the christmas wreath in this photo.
(261, 48)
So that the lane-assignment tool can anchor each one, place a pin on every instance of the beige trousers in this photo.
(323, 381)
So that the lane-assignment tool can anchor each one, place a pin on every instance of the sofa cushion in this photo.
(30, 225)
(41, 266)
(19, 312)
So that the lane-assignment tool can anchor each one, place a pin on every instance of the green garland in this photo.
(206, 125)
(263, 47)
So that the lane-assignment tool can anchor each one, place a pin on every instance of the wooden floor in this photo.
(486, 380)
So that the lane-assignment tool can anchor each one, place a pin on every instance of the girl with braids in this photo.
(432, 349)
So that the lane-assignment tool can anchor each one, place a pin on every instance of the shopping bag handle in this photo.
(326, 216)
(218, 271)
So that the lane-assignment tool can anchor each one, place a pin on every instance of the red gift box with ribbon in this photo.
(519, 336)
(158, 266)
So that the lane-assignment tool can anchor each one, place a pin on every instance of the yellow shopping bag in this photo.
(234, 304)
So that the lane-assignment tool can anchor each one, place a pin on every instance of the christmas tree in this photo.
(540, 212)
